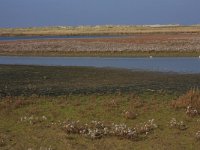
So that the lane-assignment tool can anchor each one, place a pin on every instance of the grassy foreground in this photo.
(49, 107)
(40, 122)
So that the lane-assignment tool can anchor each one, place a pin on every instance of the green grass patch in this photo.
(36, 131)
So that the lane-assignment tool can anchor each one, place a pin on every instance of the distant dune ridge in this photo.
(99, 30)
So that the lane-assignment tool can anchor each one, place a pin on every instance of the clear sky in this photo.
(29, 13)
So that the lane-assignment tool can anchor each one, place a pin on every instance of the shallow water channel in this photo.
(161, 64)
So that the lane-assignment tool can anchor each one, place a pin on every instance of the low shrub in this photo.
(97, 129)
(177, 124)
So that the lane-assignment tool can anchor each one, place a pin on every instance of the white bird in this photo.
(150, 56)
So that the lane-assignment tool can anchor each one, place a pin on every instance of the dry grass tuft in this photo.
(11, 103)
(191, 99)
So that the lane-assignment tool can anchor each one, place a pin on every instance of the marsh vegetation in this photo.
(97, 108)
(139, 41)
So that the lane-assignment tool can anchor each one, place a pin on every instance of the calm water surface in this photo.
(162, 64)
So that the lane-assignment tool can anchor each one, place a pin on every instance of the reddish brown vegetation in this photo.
(15, 102)
(139, 42)
(190, 100)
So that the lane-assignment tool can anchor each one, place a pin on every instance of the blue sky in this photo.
(29, 13)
